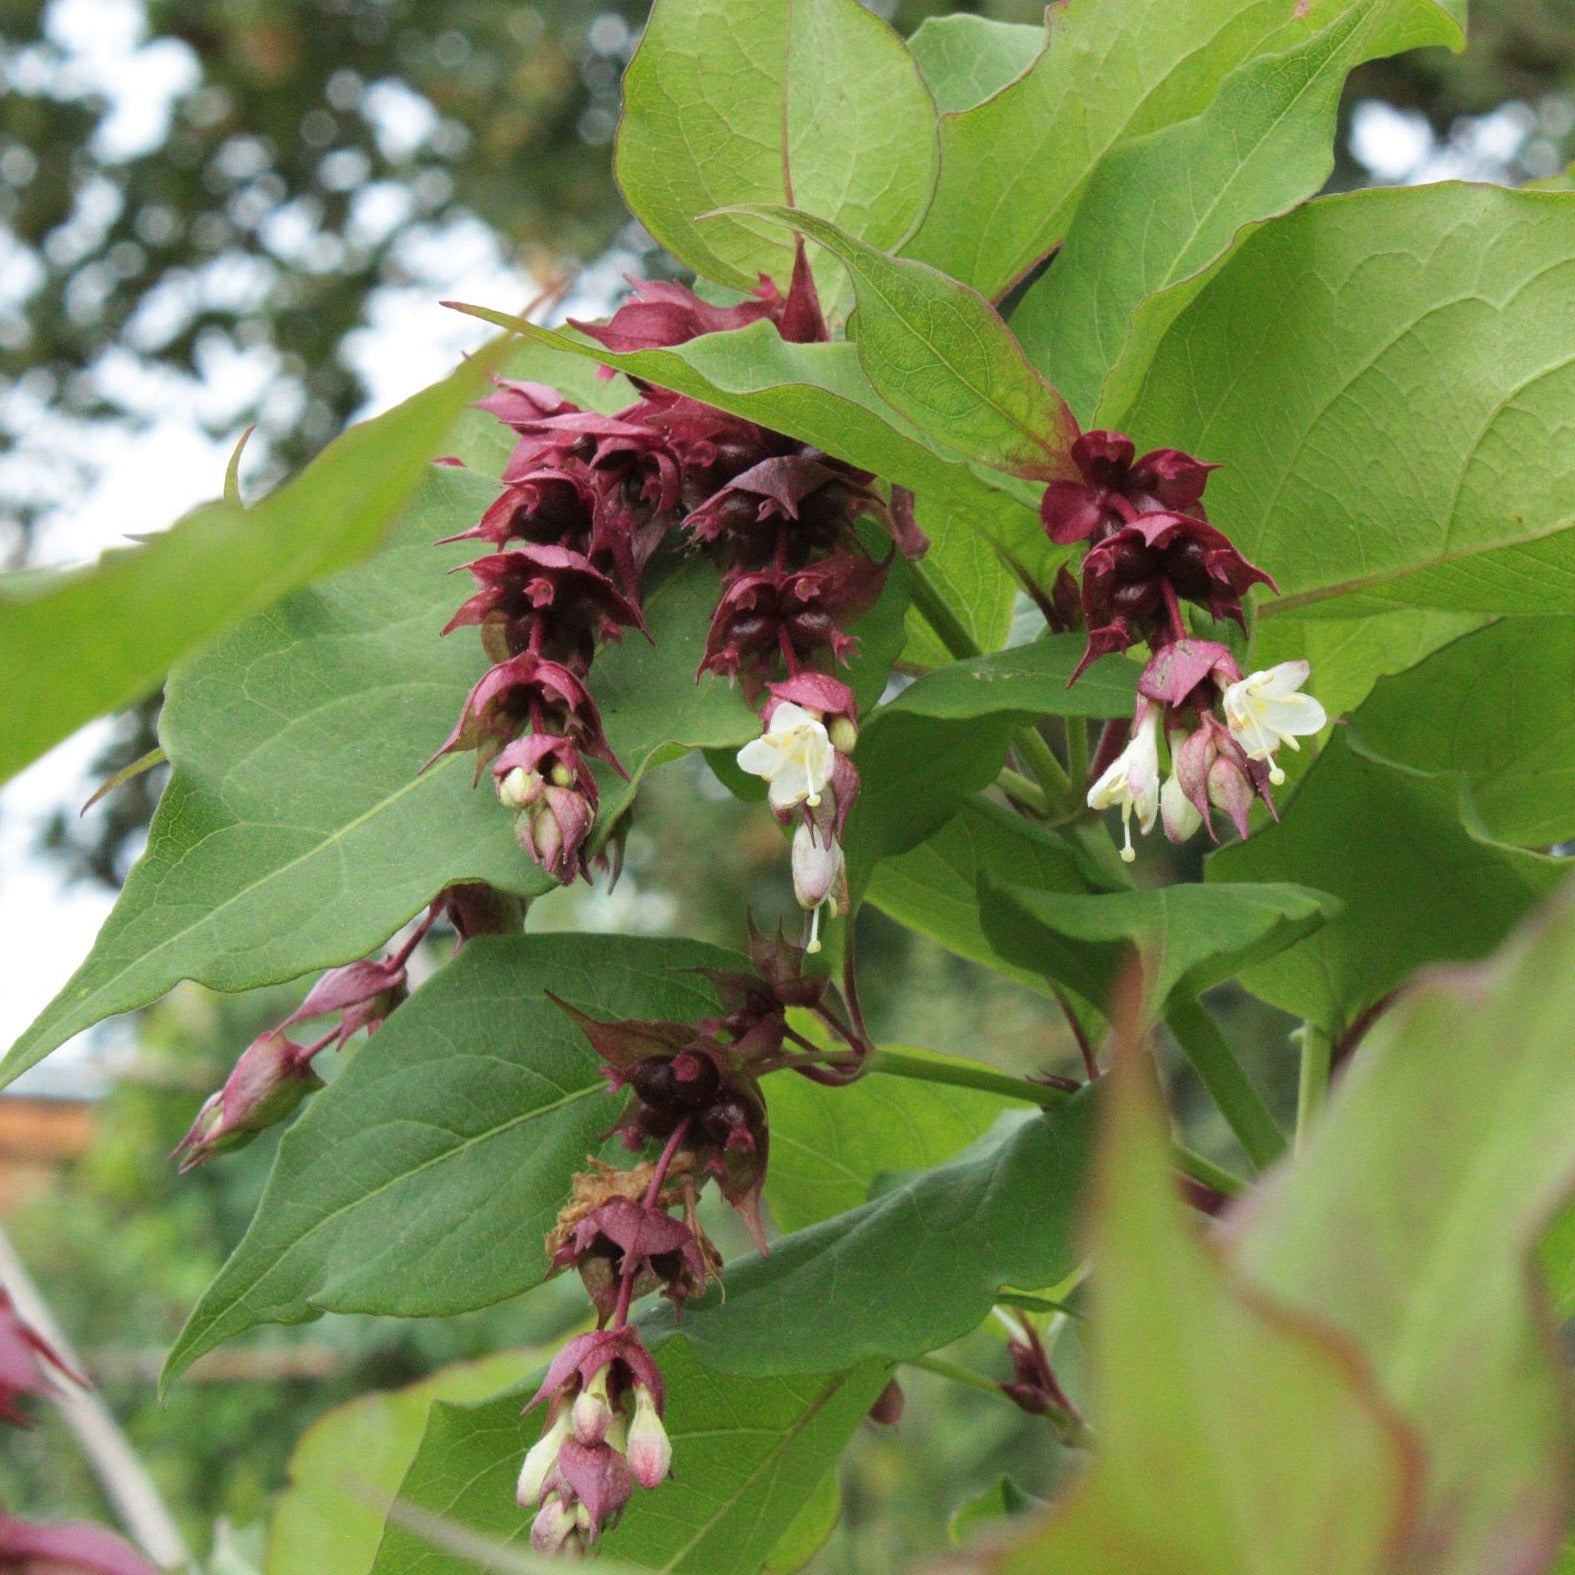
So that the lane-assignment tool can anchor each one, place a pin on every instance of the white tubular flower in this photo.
(1179, 813)
(1131, 781)
(819, 876)
(539, 1461)
(1264, 711)
(650, 1452)
(794, 755)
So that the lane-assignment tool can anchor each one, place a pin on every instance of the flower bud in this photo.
(650, 1450)
(591, 1411)
(817, 863)
(539, 1461)
(556, 1528)
(520, 788)
(843, 734)
(268, 1082)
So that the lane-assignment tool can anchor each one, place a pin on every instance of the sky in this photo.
(148, 478)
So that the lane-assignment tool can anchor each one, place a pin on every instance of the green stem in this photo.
(1038, 1304)
(1018, 788)
(935, 612)
(968, 1074)
(1076, 764)
(1313, 1084)
(971, 1074)
(958, 1375)
(1239, 1102)
(1037, 755)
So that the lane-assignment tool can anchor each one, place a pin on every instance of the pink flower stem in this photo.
(652, 1193)
(1178, 627)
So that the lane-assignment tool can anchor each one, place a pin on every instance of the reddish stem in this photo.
(1178, 625)
(1085, 1049)
(417, 935)
(652, 1193)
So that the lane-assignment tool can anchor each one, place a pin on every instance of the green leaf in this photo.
(321, 1521)
(819, 394)
(939, 354)
(1383, 375)
(74, 646)
(1419, 880)
(421, 1181)
(810, 1528)
(983, 1513)
(1494, 706)
(1407, 1226)
(1014, 167)
(813, 102)
(965, 59)
(934, 888)
(1349, 655)
(298, 830)
(1233, 1438)
(748, 1456)
(1159, 213)
(916, 1268)
(1185, 938)
(828, 1145)
(944, 737)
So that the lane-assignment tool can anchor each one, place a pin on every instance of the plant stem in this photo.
(897, 1063)
(1037, 755)
(958, 1375)
(969, 1074)
(933, 609)
(1239, 1102)
(1020, 790)
(1076, 763)
(1313, 1083)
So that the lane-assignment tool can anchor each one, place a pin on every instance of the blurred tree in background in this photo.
(320, 158)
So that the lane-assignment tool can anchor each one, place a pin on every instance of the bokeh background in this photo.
(219, 213)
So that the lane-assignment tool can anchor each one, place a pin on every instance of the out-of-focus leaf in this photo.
(1407, 1226)
(322, 1521)
(1419, 880)
(421, 1181)
(915, 1268)
(748, 1456)
(1383, 375)
(829, 1144)
(1161, 212)
(1002, 1498)
(299, 830)
(74, 646)
(813, 102)
(1233, 1438)
(810, 1528)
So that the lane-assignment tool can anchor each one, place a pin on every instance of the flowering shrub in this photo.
(1032, 464)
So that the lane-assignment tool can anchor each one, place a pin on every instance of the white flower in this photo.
(794, 755)
(819, 876)
(543, 1456)
(1264, 711)
(1131, 782)
(650, 1452)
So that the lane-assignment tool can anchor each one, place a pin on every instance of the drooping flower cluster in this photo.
(694, 1089)
(1151, 548)
(274, 1072)
(588, 499)
(30, 1366)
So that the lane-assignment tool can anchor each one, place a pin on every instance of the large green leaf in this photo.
(828, 1145)
(939, 353)
(421, 1181)
(748, 1454)
(934, 888)
(321, 1521)
(1384, 375)
(1186, 938)
(299, 830)
(1234, 1439)
(1408, 1223)
(74, 646)
(915, 1268)
(944, 737)
(1495, 706)
(1160, 212)
(813, 102)
(965, 59)
(1014, 167)
(1419, 880)
(819, 394)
